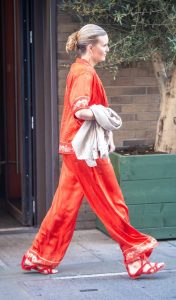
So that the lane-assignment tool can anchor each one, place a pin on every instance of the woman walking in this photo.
(99, 184)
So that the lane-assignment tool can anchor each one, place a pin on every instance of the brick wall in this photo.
(134, 95)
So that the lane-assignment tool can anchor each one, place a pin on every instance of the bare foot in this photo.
(134, 266)
(28, 263)
(53, 271)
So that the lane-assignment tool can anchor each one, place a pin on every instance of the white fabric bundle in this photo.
(93, 135)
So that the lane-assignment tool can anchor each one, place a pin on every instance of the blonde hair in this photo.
(78, 40)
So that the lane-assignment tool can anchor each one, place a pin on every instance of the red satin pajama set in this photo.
(99, 183)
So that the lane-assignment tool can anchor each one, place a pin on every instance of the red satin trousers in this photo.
(100, 186)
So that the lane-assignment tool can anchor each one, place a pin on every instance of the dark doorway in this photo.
(17, 113)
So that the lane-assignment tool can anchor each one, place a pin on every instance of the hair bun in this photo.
(72, 41)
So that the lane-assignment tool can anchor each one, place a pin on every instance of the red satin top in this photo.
(83, 89)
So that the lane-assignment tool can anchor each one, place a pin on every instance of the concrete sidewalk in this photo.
(92, 268)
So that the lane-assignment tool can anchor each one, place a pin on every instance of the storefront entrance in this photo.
(17, 143)
(29, 160)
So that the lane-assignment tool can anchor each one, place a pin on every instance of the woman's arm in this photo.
(85, 114)
(111, 143)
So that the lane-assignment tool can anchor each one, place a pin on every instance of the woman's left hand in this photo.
(111, 147)
(111, 142)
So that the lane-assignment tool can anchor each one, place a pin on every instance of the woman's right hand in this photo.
(85, 114)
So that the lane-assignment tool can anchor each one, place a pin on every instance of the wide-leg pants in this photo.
(100, 186)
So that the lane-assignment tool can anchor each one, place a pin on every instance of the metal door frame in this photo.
(42, 160)
(46, 104)
(28, 114)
